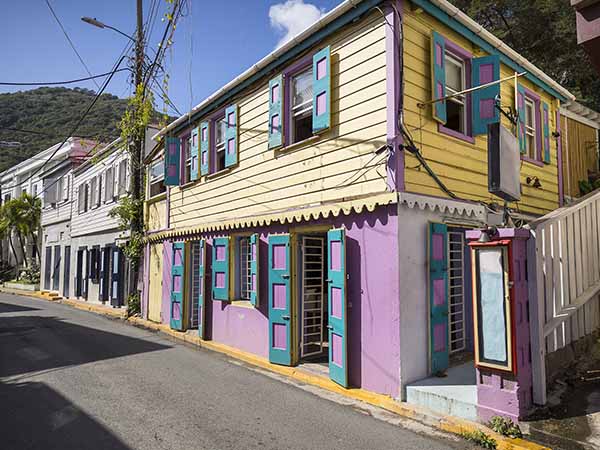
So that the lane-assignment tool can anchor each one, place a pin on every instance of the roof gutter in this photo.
(338, 11)
(465, 20)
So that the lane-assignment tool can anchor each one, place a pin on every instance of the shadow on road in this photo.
(35, 416)
(33, 343)
(11, 308)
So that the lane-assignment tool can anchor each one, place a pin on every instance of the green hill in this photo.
(45, 116)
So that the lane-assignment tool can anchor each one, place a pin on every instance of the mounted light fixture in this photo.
(533, 182)
(487, 234)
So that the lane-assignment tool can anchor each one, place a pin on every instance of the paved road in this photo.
(72, 380)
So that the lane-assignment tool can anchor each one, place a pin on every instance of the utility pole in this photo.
(138, 142)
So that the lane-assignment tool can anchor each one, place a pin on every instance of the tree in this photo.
(12, 225)
(21, 217)
(544, 32)
(31, 212)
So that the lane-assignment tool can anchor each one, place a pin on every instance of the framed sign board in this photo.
(492, 311)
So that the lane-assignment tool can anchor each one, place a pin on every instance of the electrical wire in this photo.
(71, 42)
(51, 83)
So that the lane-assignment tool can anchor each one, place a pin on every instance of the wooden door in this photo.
(177, 286)
(438, 297)
(280, 324)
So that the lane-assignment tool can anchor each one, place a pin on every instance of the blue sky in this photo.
(227, 36)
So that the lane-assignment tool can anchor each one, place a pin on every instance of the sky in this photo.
(215, 41)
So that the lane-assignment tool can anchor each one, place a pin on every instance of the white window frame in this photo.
(109, 198)
(187, 169)
(123, 181)
(302, 110)
(530, 129)
(64, 192)
(219, 145)
(156, 179)
(451, 58)
(93, 183)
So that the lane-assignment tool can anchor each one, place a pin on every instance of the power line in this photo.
(71, 42)
(49, 83)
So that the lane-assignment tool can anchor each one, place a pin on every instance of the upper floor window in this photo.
(187, 160)
(301, 106)
(456, 107)
(109, 185)
(530, 129)
(156, 179)
(93, 192)
(122, 177)
(220, 130)
(82, 198)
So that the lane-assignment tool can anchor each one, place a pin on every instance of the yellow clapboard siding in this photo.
(156, 216)
(461, 165)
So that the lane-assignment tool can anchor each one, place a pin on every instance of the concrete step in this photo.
(455, 394)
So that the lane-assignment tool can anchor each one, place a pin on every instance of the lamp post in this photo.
(136, 151)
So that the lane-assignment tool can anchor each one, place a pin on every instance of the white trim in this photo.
(570, 111)
(443, 205)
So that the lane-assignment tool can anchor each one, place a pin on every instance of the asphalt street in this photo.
(70, 379)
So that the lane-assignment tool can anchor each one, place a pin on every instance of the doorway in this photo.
(67, 272)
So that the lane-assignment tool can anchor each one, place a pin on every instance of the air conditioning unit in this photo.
(504, 163)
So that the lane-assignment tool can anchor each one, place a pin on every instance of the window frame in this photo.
(235, 270)
(123, 164)
(535, 99)
(185, 147)
(93, 182)
(157, 179)
(289, 73)
(110, 199)
(460, 54)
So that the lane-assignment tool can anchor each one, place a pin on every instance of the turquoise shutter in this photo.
(201, 290)
(204, 148)
(254, 261)
(485, 70)
(338, 311)
(546, 131)
(438, 76)
(172, 155)
(231, 136)
(177, 285)
(521, 118)
(280, 324)
(438, 297)
(194, 153)
(321, 113)
(220, 269)
(276, 112)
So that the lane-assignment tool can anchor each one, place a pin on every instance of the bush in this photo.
(7, 272)
(505, 427)
(480, 438)
(31, 274)
(133, 305)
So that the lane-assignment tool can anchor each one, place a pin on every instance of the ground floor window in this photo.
(243, 274)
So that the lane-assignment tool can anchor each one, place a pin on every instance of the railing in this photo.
(564, 258)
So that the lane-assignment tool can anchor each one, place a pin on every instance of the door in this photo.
(86, 272)
(47, 268)
(116, 277)
(177, 286)
(336, 294)
(201, 290)
(155, 287)
(79, 274)
(280, 324)
(56, 269)
(67, 272)
(104, 273)
(438, 297)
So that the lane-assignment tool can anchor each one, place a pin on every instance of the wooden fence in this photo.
(564, 260)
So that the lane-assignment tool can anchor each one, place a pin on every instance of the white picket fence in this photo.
(564, 260)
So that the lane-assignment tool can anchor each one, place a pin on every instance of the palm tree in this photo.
(9, 223)
(30, 212)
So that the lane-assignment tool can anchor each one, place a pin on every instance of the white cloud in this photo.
(292, 17)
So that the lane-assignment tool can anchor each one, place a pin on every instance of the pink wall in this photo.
(165, 309)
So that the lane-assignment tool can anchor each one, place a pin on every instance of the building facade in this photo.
(314, 210)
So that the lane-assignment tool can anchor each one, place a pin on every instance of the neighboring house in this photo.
(588, 28)
(579, 136)
(57, 195)
(290, 216)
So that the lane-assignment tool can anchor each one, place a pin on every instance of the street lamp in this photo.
(95, 22)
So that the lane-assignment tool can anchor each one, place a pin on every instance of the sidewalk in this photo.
(441, 422)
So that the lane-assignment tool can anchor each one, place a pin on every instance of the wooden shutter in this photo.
(194, 154)
(220, 269)
(337, 307)
(201, 291)
(438, 297)
(172, 160)
(177, 285)
(280, 294)
(65, 188)
(546, 132)
(204, 148)
(254, 269)
(438, 76)
(485, 70)
(231, 135)
(276, 112)
(321, 113)
(521, 118)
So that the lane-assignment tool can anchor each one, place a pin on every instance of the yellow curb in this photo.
(449, 424)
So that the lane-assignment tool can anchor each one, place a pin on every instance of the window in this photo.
(243, 273)
(301, 106)
(220, 128)
(98, 195)
(64, 192)
(93, 192)
(530, 129)
(456, 111)
(109, 189)
(35, 190)
(82, 198)
(7, 198)
(187, 160)
(156, 179)
(122, 177)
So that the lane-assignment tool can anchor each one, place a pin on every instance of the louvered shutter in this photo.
(231, 135)
(321, 113)
(65, 188)
(546, 132)
(276, 112)
(220, 269)
(254, 269)
(194, 172)
(438, 76)
(204, 148)
(438, 297)
(201, 290)
(485, 70)
(521, 118)
(172, 159)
